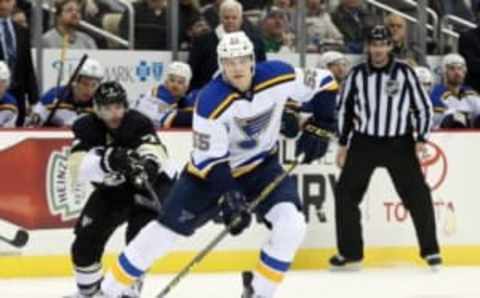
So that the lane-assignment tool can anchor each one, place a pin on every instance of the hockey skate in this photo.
(248, 292)
(135, 290)
(434, 262)
(339, 263)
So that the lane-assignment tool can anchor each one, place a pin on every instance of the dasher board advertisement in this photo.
(36, 197)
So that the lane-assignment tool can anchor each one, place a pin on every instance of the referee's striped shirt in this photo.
(387, 102)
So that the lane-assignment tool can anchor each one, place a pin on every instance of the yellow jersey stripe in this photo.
(332, 86)
(9, 107)
(269, 273)
(192, 169)
(121, 276)
(275, 81)
(224, 105)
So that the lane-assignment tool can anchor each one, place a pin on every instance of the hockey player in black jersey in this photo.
(116, 150)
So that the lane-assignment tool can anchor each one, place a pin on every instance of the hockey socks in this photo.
(153, 242)
(89, 278)
(268, 275)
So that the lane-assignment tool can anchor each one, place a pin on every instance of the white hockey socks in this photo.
(153, 242)
(89, 278)
(288, 231)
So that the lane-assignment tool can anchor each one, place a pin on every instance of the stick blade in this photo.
(21, 238)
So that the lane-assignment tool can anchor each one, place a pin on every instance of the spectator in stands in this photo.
(409, 53)
(19, 17)
(455, 104)
(289, 8)
(197, 28)
(67, 103)
(203, 54)
(8, 103)
(26, 6)
(150, 25)
(275, 32)
(211, 13)
(425, 77)
(169, 105)
(65, 33)
(320, 28)
(353, 21)
(187, 15)
(15, 50)
(95, 11)
(469, 47)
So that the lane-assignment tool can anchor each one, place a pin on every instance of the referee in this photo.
(384, 117)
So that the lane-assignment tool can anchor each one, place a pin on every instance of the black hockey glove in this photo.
(290, 123)
(142, 168)
(235, 204)
(313, 142)
(116, 159)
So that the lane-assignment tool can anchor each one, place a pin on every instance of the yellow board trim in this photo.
(268, 273)
(121, 276)
(224, 261)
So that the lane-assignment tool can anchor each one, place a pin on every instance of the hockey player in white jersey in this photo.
(455, 104)
(169, 105)
(236, 132)
(8, 103)
(76, 100)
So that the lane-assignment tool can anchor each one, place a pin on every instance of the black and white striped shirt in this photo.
(387, 102)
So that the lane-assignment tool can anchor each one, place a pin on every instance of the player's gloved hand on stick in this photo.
(235, 204)
(290, 123)
(313, 142)
(116, 159)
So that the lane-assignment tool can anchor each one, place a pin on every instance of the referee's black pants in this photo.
(398, 156)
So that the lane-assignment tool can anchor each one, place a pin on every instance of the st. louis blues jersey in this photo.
(243, 129)
(465, 104)
(8, 111)
(165, 110)
(68, 110)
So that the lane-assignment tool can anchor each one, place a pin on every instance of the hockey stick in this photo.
(70, 82)
(20, 239)
(212, 244)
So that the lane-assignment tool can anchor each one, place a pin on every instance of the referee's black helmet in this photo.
(379, 33)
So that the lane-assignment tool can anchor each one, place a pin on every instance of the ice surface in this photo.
(402, 282)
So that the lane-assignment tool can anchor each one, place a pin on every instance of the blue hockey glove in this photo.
(313, 142)
(234, 204)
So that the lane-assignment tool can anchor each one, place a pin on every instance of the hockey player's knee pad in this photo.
(288, 230)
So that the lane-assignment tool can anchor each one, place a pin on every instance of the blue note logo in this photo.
(253, 127)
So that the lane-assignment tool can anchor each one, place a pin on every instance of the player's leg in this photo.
(415, 194)
(282, 213)
(98, 220)
(138, 217)
(187, 207)
(349, 191)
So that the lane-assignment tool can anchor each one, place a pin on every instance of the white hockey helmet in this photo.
(92, 69)
(4, 72)
(180, 69)
(453, 59)
(330, 57)
(236, 44)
